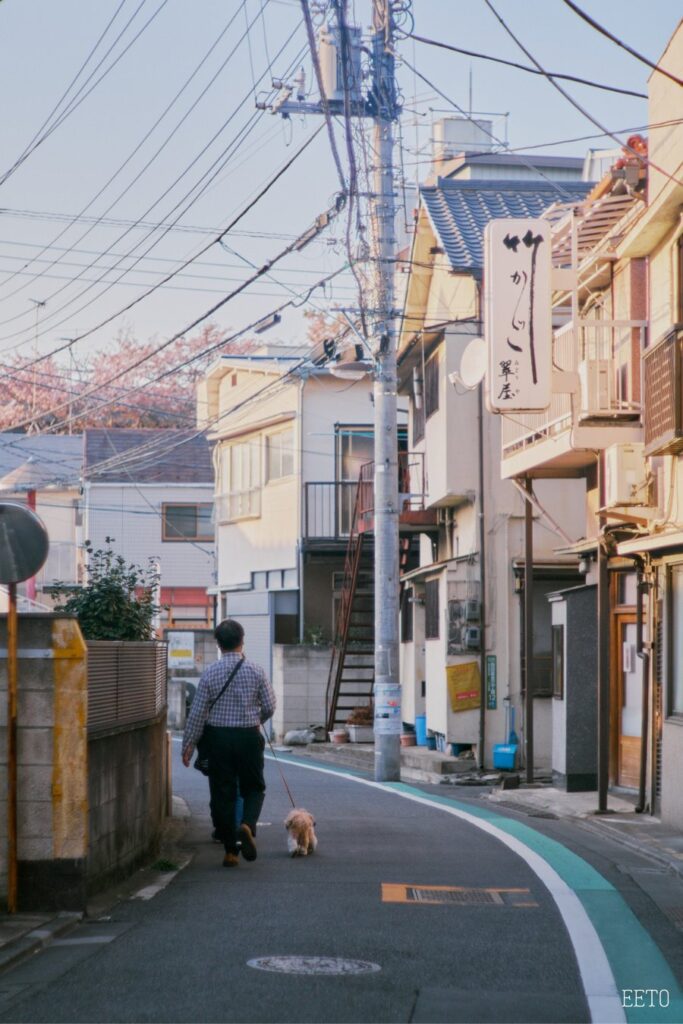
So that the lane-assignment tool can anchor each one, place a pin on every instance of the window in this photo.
(431, 387)
(241, 496)
(407, 616)
(187, 522)
(279, 455)
(675, 623)
(558, 661)
(355, 447)
(432, 610)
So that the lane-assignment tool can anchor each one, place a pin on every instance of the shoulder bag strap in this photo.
(227, 682)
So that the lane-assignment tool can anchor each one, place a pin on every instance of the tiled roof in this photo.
(460, 210)
(147, 456)
(41, 459)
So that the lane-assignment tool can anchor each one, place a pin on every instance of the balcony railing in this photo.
(329, 505)
(605, 355)
(328, 508)
(663, 404)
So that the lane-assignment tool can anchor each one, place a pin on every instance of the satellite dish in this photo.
(23, 543)
(473, 363)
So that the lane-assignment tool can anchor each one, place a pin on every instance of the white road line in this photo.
(597, 978)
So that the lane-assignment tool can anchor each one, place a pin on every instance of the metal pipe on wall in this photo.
(528, 633)
(12, 675)
(482, 577)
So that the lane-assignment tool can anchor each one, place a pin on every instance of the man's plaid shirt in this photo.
(247, 702)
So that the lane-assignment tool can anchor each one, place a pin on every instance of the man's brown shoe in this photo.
(246, 836)
(231, 860)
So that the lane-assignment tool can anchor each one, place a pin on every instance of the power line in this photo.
(525, 67)
(551, 181)
(137, 148)
(74, 103)
(574, 102)
(66, 92)
(184, 331)
(234, 143)
(168, 277)
(620, 42)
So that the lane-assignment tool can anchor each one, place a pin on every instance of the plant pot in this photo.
(339, 736)
(361, 733)
(407, 739)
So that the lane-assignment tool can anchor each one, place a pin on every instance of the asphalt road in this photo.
(456, 925)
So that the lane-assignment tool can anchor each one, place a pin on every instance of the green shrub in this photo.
(116, 602)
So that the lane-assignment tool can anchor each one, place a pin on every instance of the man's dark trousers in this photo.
(235, 759)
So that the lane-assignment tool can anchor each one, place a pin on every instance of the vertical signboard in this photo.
(180, 649)
(518, 324)
(491, 683)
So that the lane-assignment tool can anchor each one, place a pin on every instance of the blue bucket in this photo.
(421, 730)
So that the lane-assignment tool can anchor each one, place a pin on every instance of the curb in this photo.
(633, 845)
(35, 940)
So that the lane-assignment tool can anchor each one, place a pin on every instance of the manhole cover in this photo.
(312, 965)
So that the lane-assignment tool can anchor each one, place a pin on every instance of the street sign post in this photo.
(24, 546)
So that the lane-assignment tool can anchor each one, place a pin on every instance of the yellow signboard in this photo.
(464, 686)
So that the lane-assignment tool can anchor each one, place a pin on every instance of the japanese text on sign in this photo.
(518, 324)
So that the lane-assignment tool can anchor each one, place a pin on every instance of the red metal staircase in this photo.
(352, 667)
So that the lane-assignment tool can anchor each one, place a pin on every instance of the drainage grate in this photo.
(466, 897)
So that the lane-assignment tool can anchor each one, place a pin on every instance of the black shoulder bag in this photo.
(202, 760)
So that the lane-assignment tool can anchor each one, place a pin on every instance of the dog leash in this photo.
(282, 774)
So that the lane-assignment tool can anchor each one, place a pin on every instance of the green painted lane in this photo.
(639, 968)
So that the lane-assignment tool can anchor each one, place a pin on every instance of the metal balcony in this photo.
(329, 505)
(603, 408)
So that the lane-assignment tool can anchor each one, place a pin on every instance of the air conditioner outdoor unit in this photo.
(596, 384)
(625, 475)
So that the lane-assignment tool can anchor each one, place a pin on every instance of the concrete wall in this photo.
(52, 763)
(300, 681)
(127, 799)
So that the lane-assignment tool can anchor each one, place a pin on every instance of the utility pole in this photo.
(386, 576)
(382, 106)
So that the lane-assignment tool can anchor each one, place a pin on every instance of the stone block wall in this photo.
(52, 763)
(127, 798)
(300, 681)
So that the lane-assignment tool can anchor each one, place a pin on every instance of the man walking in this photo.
(233, 700)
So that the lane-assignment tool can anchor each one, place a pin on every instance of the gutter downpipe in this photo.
(482, 570)
(302, 509)
(643, 652)
(528, 633)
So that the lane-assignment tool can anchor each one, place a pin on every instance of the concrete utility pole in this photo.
(387, 686)
(382, 106)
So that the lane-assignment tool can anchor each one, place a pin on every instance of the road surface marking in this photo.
(613, 950)
(455, 895)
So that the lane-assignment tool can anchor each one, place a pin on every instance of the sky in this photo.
(146, 148)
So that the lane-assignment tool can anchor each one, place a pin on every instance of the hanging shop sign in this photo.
(491, 682)
(518, 324)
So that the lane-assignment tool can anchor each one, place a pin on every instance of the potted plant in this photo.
(359, 724)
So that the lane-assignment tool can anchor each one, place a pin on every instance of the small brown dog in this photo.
(301, 838)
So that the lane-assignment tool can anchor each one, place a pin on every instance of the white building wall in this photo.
(131, 515)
